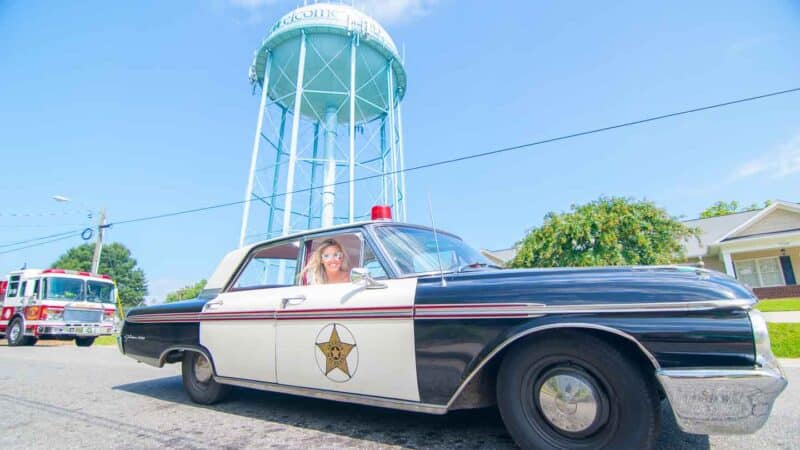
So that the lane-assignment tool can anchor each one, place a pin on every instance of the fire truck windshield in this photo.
(64, 288)
(98, 291)
(75, 289)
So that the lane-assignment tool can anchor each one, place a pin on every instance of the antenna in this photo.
(436, 240)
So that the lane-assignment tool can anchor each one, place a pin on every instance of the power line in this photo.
(13, 244)
(478, 155)
(39, 243)
(46, 214)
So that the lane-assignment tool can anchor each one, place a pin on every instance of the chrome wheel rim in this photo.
(13, 335)
(569, 402)
(202, 369)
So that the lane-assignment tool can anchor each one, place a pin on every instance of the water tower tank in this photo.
(331, 84)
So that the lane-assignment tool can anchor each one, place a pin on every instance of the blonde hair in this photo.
(314, 271)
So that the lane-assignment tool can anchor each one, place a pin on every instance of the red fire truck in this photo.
(57, 304)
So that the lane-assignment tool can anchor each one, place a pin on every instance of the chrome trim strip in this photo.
(336, 396)
(191, 348)
(529, 331)
(460, 310)
(721, 401)
(702, 305)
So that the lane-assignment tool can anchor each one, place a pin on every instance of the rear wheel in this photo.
(16, 334)
(84, 341)
(574, 390)
(198, 379)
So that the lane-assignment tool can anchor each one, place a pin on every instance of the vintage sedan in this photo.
(572, 357)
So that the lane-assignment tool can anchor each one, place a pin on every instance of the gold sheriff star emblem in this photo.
(335, 352)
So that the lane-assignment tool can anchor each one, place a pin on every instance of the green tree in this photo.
(186, 292)
(115, 261)
(723, 208)
(608, 231)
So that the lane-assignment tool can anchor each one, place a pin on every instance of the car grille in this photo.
(82, 315)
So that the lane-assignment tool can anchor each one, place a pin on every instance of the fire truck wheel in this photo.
(198, 380)
(16, 334)
(84, 341)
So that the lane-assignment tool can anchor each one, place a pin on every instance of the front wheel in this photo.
(16, 335)
(573, 390)
(84, 341)
(198, 379)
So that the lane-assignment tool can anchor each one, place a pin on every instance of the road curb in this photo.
(789, 362)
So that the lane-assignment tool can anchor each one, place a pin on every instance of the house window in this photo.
(761, 272)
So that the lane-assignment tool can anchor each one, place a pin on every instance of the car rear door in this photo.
(238, 326)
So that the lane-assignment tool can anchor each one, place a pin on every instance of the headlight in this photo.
(764, 356)
(54, 314)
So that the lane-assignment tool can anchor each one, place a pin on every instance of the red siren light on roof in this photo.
(381, 212)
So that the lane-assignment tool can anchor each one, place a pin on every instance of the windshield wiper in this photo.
(476, 265)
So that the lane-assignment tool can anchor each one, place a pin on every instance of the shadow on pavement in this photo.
(459, 429)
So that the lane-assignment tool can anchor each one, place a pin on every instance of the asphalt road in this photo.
(70, 397)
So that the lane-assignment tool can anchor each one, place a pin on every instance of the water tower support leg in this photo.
(313, 175)
(329, 175)
(392, 133)
(384, 180)
(352, 126)
(254, 158)
(275, 173)
(298, 101)
(401, 158)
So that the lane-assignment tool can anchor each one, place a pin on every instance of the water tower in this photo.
(331, 83)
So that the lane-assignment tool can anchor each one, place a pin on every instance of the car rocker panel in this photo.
(439, 342)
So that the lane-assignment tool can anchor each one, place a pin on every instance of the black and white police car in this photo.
(572, 357)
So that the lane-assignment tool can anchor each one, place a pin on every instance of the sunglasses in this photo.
(327, 256)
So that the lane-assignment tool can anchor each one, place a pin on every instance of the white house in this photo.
(761, 248)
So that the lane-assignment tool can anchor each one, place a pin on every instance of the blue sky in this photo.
(145, 108)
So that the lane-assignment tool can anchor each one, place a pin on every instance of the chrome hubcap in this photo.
(568, 402)
(202, 369)
(14, 333)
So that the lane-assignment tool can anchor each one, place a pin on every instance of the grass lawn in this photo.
(106, 340)
(779, 304)
(785, 339)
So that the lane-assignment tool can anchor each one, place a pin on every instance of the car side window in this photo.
(347, 245)
(268, 267)
(373, 265)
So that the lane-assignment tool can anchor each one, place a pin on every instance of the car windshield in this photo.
(99, 291)
(414, 250)
(64, 288)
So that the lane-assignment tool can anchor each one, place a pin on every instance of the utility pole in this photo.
(98, 245)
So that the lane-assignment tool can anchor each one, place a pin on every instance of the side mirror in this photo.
(360, 275)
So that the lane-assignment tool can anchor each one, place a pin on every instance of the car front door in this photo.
(347, 337)
(238, 326)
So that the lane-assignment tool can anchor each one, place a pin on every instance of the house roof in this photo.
(714, 229)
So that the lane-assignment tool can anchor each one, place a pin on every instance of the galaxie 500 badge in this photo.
(337, 354)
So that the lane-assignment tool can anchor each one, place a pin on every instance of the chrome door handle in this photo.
(212, 305)
(290, 301)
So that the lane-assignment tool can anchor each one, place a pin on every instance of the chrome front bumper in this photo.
(722, 401)
(78, 329)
